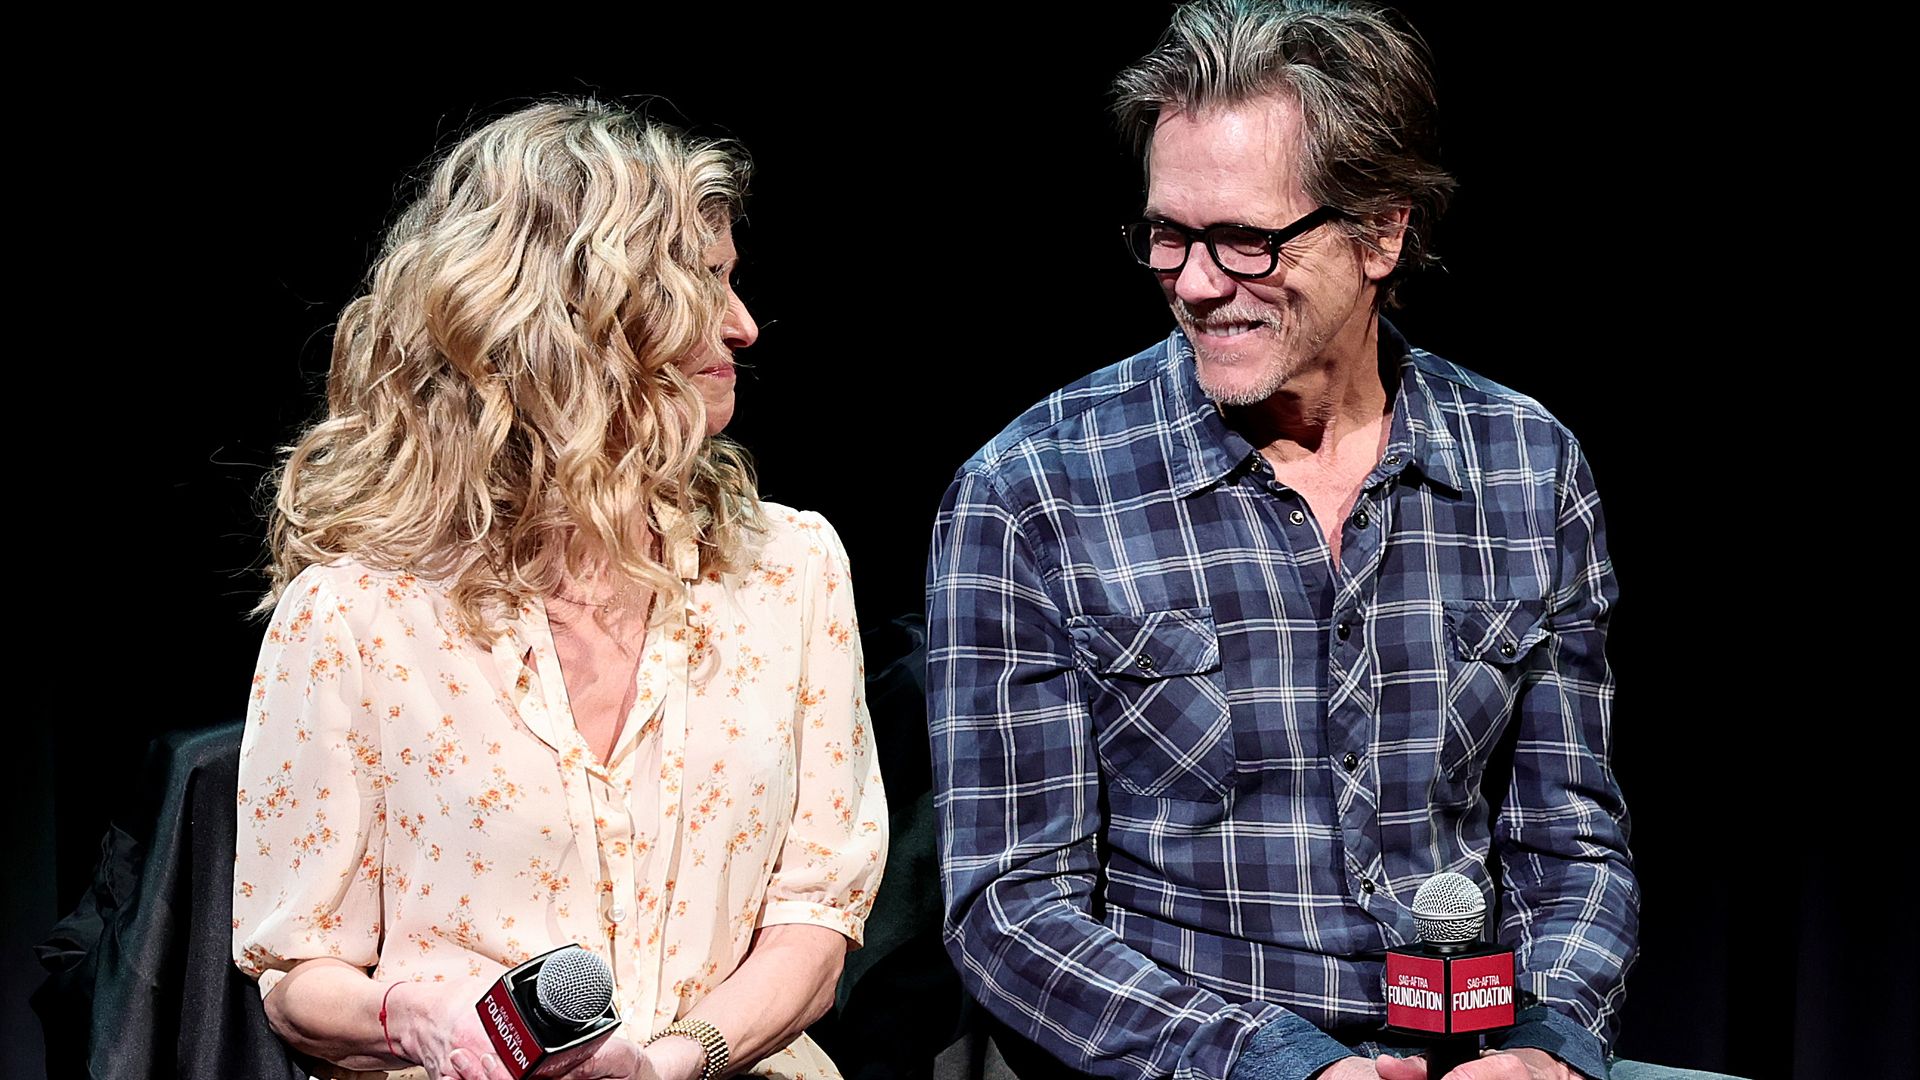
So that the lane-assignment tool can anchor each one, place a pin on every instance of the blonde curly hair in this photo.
(503, 406)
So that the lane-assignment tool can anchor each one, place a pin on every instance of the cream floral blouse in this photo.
(419, 805)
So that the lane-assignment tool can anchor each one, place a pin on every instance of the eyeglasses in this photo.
(1243, 251)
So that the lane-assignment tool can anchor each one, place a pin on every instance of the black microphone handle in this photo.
(1446, 1055)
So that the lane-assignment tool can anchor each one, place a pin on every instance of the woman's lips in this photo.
(721, 370)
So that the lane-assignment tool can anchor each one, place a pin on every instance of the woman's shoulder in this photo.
(796, 535)
(357, 592)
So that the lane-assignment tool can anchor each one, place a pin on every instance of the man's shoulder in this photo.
(1124, 392)
(1461, 390)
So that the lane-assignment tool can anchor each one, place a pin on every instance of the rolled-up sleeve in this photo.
(1572, 909)
(307, 869)
(830, 862)
(1018, 814)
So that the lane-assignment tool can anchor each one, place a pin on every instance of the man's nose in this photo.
(1200, 280)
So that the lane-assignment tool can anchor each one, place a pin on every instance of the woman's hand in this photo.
(675, 1058)
(616, 1059)
(436, 1025)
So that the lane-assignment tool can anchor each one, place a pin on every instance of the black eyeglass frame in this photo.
(1275, 238)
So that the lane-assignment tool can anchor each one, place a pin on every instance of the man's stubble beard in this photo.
(1290, 352)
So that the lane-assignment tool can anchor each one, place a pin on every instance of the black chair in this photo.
(900, 1003)
(140, 983)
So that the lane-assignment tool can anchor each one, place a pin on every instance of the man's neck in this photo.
(1338, 392)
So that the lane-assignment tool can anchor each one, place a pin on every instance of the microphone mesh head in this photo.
(1449, 910)
(574, 985)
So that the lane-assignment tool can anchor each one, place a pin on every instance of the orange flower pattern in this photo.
(421, 806)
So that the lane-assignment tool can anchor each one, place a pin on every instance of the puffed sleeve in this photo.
(312, 813)
(830, 862)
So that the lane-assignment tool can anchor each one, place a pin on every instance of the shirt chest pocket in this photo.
(1491, 645)
(1159, 706)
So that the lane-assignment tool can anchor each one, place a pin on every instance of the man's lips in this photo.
(1223, 330)
(1228, 330)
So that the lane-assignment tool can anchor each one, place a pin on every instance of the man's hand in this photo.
(1525, 1063)
(1355, 1068)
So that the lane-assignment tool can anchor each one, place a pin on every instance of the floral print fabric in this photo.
(419, 805)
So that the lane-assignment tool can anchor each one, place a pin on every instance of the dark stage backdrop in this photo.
(932, 245)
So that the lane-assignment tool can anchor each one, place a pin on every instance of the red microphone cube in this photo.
(1461, 993)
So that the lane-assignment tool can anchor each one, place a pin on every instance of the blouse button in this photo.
(618, 914)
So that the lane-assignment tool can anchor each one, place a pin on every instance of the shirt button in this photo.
(1297, 517)
(1393, 459)
(618, 914)
(1508, 648)
(1342, 630)
(1351, 761)
(1145, 662)
(1366, 886)
(1360, 520)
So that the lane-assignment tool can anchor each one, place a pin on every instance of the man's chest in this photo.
(1217, 642)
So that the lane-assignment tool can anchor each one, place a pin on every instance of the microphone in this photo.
(1451, 989)
(550, 1013)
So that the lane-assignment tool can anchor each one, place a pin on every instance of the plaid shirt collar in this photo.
(1207, 451)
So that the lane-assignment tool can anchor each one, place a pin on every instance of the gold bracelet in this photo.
(712, 1044)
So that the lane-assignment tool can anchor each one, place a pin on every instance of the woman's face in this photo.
(711, 370)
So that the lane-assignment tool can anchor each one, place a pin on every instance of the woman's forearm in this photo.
(786, 982)
(330, 1010)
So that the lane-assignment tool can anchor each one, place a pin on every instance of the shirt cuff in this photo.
(1287, 1048)
(269, 979)
(1542, 1028)
(783, 912)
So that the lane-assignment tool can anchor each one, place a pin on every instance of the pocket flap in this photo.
(1150, 646)
(1500, 631)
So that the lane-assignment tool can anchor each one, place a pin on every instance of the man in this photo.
(1237, 642)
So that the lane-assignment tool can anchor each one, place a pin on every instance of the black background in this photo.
(933, 245)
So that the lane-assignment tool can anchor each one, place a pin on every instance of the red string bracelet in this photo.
(383, 1018)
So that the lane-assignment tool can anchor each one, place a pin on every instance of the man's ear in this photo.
(1389, 235)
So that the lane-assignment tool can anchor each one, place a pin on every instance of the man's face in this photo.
(1237, 165)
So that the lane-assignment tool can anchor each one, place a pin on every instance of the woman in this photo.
(542, 669)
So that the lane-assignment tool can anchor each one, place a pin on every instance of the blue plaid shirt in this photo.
(1190, 771)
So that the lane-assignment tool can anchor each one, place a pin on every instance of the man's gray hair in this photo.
(1361, 78)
